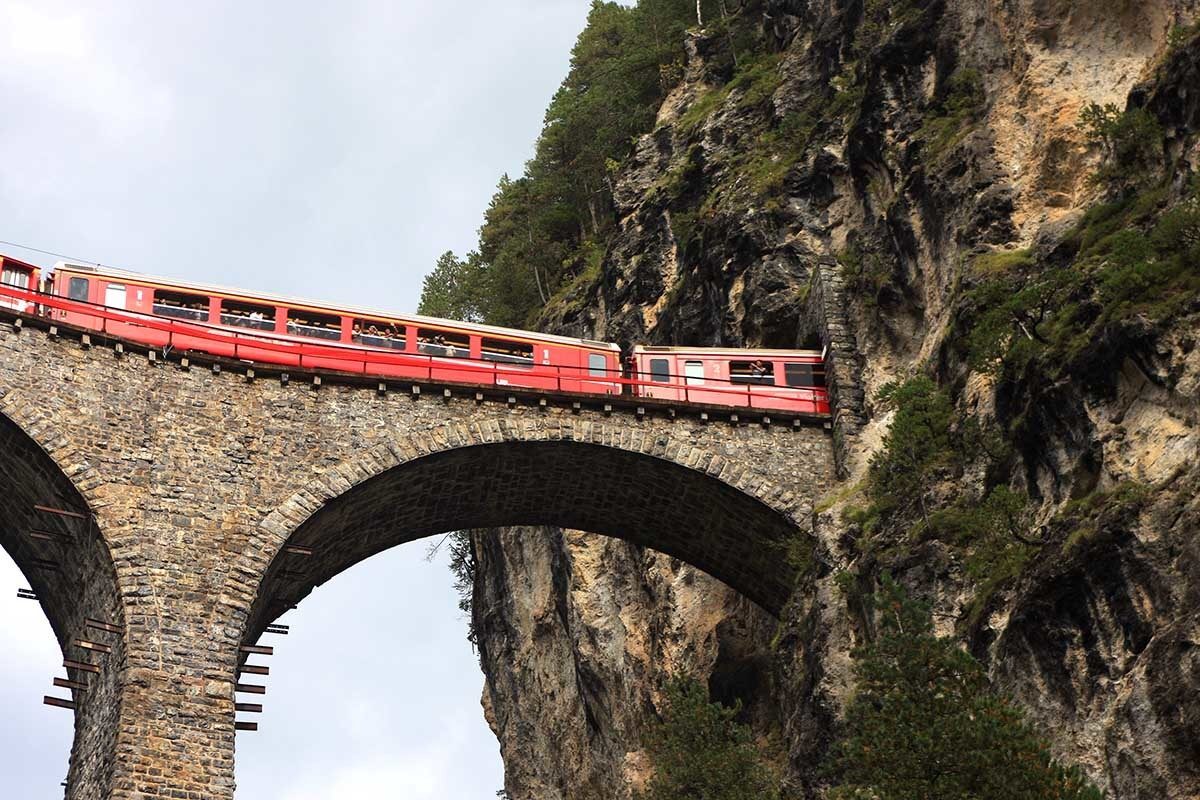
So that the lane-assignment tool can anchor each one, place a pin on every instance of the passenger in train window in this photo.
(758, 368)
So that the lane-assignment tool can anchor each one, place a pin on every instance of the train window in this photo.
(597, 365)
(507, 352)
(247, 315)
(377, 333)
(756, 371)
(804, 374)
(693, 372)
(311, 323)
(434, 342)
(77, 289)
(660, 370)
(180, 305)
(15, 277)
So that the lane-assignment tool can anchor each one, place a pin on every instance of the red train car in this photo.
(22, 276)
(780, 380)
(286, 331)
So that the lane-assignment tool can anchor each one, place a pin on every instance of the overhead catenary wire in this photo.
(63, 256)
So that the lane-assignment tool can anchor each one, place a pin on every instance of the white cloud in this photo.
(56, 53)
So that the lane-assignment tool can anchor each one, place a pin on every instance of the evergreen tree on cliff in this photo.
(924, 723)
(700, 752)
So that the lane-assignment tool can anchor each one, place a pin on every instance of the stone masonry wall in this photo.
(825, 317)
(198, 477)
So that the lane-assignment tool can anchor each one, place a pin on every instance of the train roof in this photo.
(17, 261)
(474, 327)
(724, 351)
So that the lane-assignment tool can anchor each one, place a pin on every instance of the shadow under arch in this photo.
(661, 504)
(69, 567)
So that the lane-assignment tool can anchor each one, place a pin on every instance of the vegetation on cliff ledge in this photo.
(925, 723)
(700, 752)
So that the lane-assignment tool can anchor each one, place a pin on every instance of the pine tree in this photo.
(700, 752)
(924, 723)
(451, 290)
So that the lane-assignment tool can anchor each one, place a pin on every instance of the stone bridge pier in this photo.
(167, 512)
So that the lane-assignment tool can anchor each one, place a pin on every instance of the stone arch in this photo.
(712, 510)
(68, 565)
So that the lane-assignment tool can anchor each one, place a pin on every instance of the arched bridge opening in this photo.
(684, 512)
(47, 528)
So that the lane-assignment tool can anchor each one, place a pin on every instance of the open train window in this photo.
(248, 315)
(804, 374)
(507, 352)
(13, 276)
(597, 365)
(180, 305)
(434, 342)
(660, 370)
(377, 333)
(77, 289)
(755, 371)
(314, 324)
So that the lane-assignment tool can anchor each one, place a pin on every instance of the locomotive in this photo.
(272, 329)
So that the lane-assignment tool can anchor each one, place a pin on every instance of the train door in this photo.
(656, 376)
(703, 383)
(601, 369)
(79, 288)
(116, 296)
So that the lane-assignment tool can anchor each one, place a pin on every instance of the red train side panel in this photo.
(780, 380)
(299, 333)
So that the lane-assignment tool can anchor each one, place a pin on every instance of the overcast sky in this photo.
(325, 150)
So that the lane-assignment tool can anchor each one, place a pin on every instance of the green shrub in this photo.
(756, 80)
(1005, 262)
(949, 120)
(1083, 519)
(700, 110)
(1131, 142)
(881, 19)
(1134, 262)
(867, 273)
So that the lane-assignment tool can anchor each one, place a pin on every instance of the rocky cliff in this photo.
(849, 179)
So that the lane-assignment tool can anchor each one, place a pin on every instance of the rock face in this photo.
(857, 235)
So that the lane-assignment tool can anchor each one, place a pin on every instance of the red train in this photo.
(277, 330)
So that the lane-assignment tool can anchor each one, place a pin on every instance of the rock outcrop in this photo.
(839, 199)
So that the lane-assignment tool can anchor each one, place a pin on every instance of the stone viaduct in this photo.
(166, 512)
